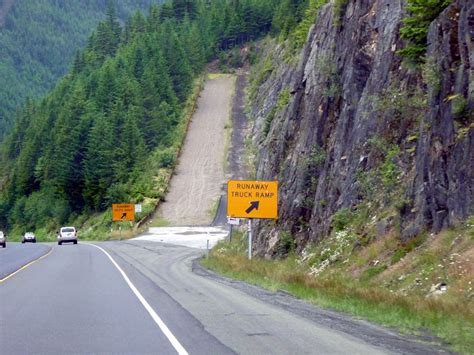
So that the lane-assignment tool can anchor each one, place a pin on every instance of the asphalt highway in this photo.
(75, 300)
(142, 297)
(17, 255)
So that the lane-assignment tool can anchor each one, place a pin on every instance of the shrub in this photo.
(269, 120)
(339, 8)
(342, 218)
(117, 193)
(398, 255)
(459, 106)
(166, 158)
(389, 170)
(286, 244)
(371, 272)
(283, 99)
(298, 36)
(415, 28)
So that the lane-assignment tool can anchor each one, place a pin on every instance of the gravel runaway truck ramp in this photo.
(197, 184)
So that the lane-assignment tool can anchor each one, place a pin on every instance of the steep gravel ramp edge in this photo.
(199, 176)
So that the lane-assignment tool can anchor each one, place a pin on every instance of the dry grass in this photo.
(159, 222)
(218, 75)
(119, 235)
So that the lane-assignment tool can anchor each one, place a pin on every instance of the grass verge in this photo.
(450, 317)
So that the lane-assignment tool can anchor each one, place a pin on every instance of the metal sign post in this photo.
(250, 239)
(232, 221)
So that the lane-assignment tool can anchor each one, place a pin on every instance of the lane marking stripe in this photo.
(172, 339)
(25, 266)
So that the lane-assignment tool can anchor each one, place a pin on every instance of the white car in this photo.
(67, 234)
(3, 240)
(29, 238)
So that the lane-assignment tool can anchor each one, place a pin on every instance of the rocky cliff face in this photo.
(354, 134)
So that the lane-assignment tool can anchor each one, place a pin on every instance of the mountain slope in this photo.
(4, 8)
(38, 41)
(110, 129)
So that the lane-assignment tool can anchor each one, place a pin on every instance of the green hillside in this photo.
(38, 41)
(108, 127)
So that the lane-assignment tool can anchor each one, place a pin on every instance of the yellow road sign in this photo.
(123, 212)
(252, 199)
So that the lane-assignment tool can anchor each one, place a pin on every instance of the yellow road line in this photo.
(25, 266)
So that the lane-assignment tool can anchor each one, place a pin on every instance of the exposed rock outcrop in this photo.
(443, 189)
(359, 126)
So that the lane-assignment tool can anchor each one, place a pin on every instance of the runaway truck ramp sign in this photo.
(123, 212)
(252, 199)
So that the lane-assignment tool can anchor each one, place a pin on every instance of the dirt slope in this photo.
(200, 172)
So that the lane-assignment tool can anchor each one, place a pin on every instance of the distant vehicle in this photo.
(29, 238)
(67, 234)
(3, 240)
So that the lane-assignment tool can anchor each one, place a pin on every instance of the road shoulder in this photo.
(370, 333)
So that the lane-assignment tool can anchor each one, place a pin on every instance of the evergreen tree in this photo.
(78, 63)
(182, 8)
(194, 47)
(131, 149)
(154, 19)
(64, 163)
(167, 11)
(416, 26)
(178, 65)
(107, 90)
(138, 24)
(98, 175)
(113, 24)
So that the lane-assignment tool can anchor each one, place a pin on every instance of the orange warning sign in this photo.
(252, 199)
(123, 212)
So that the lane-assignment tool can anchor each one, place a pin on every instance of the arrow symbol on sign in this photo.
(123, 216)
(253, 206)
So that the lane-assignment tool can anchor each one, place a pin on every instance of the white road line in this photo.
(172, 339)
